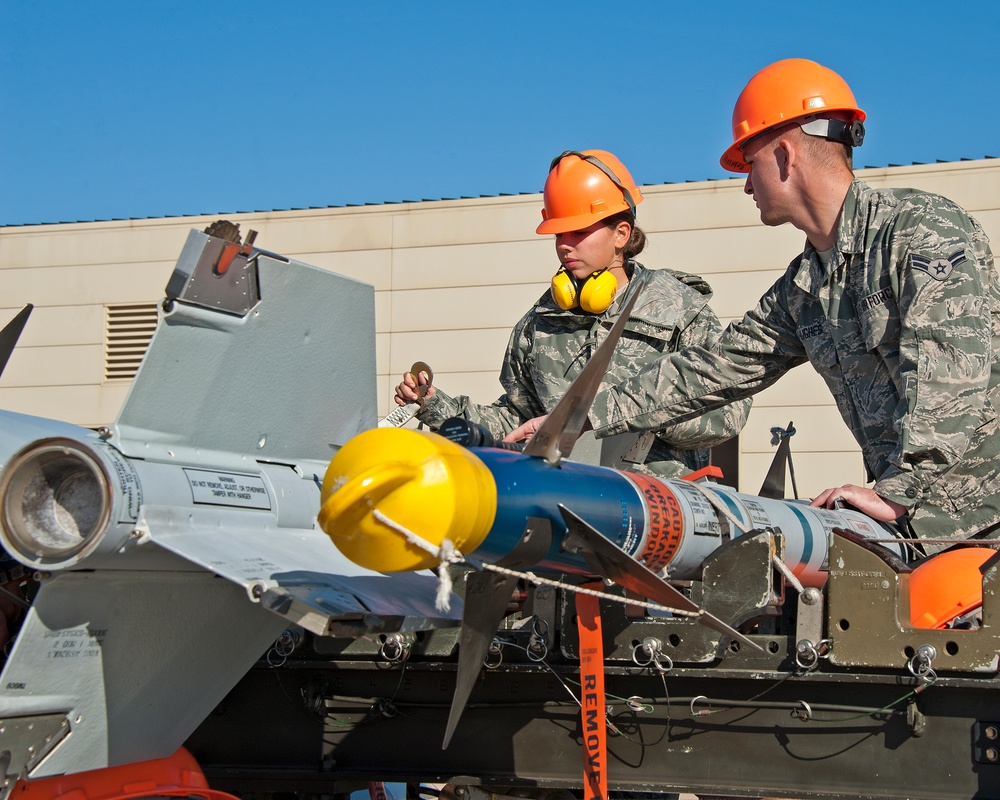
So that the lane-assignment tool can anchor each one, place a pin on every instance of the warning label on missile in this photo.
(228, 489)
(128, 480)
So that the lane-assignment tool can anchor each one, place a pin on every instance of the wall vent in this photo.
(127, 333)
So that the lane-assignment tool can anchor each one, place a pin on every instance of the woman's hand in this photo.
(411, 390)
(525, 431)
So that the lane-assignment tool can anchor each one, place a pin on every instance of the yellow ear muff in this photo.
(598, 292)
(563, 290)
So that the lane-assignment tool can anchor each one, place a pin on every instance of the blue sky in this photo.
(142, 109)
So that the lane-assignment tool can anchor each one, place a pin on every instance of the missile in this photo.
(384, 481)
(400, 499)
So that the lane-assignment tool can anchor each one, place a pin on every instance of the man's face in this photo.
(766, 181)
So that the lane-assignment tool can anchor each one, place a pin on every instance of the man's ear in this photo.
(787, 155)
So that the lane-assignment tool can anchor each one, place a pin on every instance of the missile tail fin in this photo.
(11, 333)
(615, 564)
(774, 482)
(557, 435)
(486, 597)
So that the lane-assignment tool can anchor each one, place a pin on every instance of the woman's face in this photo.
(592, 249)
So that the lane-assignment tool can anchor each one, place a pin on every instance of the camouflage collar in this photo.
(662, 309)
(851, 234)
(812, 274)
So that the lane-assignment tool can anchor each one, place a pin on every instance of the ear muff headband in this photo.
(602, 167)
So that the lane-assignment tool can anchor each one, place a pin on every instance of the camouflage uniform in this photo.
(903, 326)
(549, 347)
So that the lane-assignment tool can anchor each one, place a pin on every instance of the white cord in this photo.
(448, 554)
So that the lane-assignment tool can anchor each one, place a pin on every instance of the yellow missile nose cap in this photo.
(418, 480)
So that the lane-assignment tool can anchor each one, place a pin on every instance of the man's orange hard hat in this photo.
(782, 92)
(947, 586)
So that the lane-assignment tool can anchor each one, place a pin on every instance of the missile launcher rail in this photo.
(843, 700)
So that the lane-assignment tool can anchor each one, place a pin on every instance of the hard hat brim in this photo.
(577, 223)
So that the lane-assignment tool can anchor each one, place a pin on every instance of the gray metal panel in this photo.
(138, 659)
(293, 379)
(298, 573)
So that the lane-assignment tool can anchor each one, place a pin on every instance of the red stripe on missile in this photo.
(665, 529)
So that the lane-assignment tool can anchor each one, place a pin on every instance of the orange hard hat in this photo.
(947, 585)
(179, 775)
(584, 187)
(784, 91)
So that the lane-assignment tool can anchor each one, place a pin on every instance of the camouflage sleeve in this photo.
(940, 258)
(750, 355)
(711, 427)
(496, 417)
(515, 406)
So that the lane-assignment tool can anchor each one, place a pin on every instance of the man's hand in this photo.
(411, 390)
(525, 431)
(864, 500)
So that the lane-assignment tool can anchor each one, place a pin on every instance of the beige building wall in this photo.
(451, 279)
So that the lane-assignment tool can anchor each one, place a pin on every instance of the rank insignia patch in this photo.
(938, 268)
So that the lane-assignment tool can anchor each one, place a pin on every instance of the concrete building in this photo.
(451, 278)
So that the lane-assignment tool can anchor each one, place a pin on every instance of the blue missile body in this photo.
(480, 500)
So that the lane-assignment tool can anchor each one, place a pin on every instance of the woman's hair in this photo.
(637, 241)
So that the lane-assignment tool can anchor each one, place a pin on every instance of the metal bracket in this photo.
(868, 612)
(810, 616)
(738, 570)
(41, 733)
(215, 274)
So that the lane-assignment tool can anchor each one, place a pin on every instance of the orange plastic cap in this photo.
(179, 775)
(946, 586)
(784, 91)
(579, 193)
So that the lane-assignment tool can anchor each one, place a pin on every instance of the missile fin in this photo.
(557, 435)
(486, 597)
(615, 564)
(774, 482)
(11, 333)
(299, 574)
